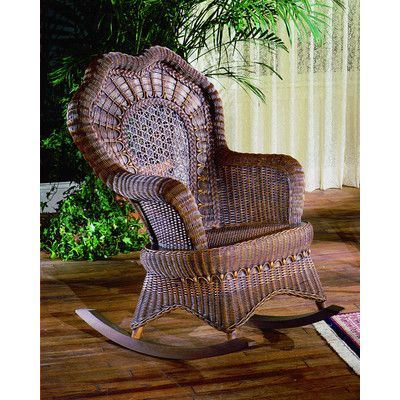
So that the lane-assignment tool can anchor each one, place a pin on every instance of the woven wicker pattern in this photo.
(232, 234)
(171, 235)
(225, 227)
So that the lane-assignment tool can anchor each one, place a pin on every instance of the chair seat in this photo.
(232, 234)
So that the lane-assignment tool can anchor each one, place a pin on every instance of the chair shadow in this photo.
(88, 292)
(278, 340)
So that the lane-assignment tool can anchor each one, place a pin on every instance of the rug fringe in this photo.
(338, 345)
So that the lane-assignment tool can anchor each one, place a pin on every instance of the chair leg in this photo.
(231, 335)
(137, 333)
(320, 305)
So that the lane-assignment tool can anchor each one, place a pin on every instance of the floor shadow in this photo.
(278, 340)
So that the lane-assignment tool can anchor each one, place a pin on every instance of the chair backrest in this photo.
(154, 114)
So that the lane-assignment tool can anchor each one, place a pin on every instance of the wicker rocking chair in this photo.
(225, 228)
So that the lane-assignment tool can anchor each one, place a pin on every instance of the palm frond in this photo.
(244, 81)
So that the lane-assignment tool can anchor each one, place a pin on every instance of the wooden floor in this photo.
(78, 363)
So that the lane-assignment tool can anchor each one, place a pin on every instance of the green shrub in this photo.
(91, 224)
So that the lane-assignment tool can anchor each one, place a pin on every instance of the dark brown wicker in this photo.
(225, 227)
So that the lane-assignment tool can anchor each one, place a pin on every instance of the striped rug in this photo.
(342, 332)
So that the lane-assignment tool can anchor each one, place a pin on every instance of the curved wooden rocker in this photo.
(266, 323)
(119, 336)
(225, 227)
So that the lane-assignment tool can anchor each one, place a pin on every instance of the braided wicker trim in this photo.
(249, 270)
(190, 263)
(231, 328)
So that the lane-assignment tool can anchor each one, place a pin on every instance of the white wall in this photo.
(55, 197)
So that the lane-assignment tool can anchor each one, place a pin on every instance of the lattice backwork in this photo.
(158, 140)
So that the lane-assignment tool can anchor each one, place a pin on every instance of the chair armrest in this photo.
(156, 189)
(260, 188)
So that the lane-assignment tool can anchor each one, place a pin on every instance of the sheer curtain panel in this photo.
(311, 114)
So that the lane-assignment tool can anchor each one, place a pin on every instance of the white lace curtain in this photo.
(313, 113)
